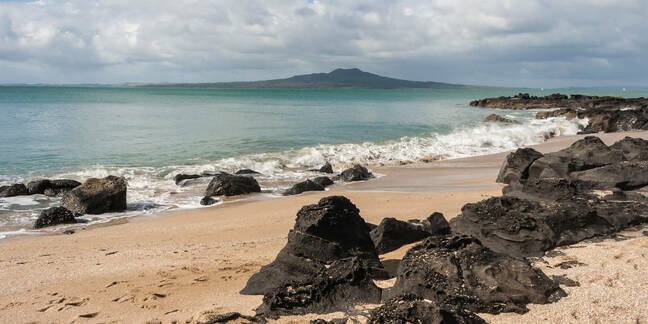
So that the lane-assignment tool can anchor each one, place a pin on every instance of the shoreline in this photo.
(177, 266)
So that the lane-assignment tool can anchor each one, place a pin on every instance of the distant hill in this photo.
(337, 79)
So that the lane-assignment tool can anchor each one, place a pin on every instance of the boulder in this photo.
(55, 216)
(51, 188)
(391, 234)
(550, 189)
(435, 224)
(326, 168)
(622, 175)
(307, 185)
(225, 184)
(495, 118)
(633, 149)
(13, 190)
(459, 271)
(323, 181)
(208, 201)
(346, 283)
(179, 178)
(246, 171)
(516, 166)
(412, 309)
(587, 153)
(97, 196)
(323, 233)
(357, 173)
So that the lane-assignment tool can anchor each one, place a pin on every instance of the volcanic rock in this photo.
(623, 175)
(412, 309)
(55, 216)
(307, 185)
(225, 184)
(13, 190)
(516, 166)
(391, 234)
(97, 196)
(633, 149)
(323, 181)
(246, 171)
(51, 188)
(495, 118)
(179, 178)
(357, 173)
(326, 168)
(459, 271)
(208, 201)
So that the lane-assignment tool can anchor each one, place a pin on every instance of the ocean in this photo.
(149, 135)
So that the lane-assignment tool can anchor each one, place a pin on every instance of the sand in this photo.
(184, 265)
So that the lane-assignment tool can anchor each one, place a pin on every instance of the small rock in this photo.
(323, 181)
(357, 173)
(307, 185)
(55, 216)
(208, 201)
(13, 190)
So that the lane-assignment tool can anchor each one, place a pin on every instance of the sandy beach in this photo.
(180, 267)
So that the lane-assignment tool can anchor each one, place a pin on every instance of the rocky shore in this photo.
(605, 114)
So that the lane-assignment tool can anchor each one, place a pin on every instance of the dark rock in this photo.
(55, 216)
(633, 149)
(391, 234)
(459, 271)
(13, 190)
(97, 196)
(412, 309)
(343, 320)
(326, 168)
(307, 185)
(516, 166)
(323, 233)
(569, 264)
(225, 184)
(622, 175)
(344, 284)
(208, 201)
(323, 181)
(436, 224)
(495, 118)
(237, 318)
(563, 280)
(246, 171)
(357, 173)
(51, 188)
(522, 227)
(69, 232)
(182, 177)
(551, 189)
(587, 153)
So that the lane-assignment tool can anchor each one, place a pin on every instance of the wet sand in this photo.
(178, 267)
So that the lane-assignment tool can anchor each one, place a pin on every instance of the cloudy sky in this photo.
(536, 43)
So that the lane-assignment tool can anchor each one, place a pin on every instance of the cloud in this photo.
(505, 42)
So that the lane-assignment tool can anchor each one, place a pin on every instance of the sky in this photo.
(530, 43)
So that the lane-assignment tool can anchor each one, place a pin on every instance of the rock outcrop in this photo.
(246, 172)
(391, 234)
(97, 196)
(304, 186)
(51, 188)
(459, 271)
(180, 178)
(413, 309)
(13, 190)
(356, 173)
(325, 232)
(55, 216)
(225, 184)
(516, 166)
(495, 118)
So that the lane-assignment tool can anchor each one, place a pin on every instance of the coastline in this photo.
(177, 264)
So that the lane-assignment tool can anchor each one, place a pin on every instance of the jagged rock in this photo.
(412, 309)
(435, 224)
(225, 184)
(323, 233)
(551, 189)
(323, 181)
(459, 271)
(391, 234)
(97, 196)
(307, 185)
(495, 118)
(522, 227)
(516, 166)
(179, 178)
(633, 149)
(208, 201)
(51, 188)
(13, 190)
(234, 317)
(587, 153)
(246, 171)
(357, 173)
(55, 216)
(326, 168)
(623, 175)
(345, 283)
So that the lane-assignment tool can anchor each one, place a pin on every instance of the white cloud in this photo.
(506, 42)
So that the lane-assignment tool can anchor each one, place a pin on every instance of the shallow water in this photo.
(149, 135)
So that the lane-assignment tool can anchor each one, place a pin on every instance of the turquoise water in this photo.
(149, 135)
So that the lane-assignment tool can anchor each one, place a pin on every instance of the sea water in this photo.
(149, 135)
